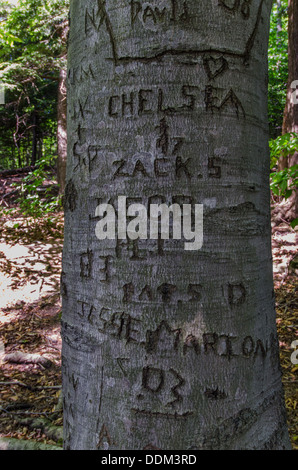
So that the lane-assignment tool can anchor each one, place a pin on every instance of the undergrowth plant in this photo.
(285, 181)
(35, 200)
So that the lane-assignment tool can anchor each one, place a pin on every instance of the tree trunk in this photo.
(290, 121)
(279, 20)
(62, 131)
(169, 346)
(34, 138)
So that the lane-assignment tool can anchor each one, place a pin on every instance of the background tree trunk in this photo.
(34, 137)
(290, 121)
(279, 20)
(165, 348)
(62, 130)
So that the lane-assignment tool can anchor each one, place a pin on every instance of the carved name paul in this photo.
(149, 14)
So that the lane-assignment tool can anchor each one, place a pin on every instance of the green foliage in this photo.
(33, 37)
(283, 146)
(284, 182)
(32, 202)
(278, 66)
(33, 43)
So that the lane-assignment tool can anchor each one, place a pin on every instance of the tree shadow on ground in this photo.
(30, 342)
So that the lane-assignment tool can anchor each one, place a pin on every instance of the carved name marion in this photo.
(122, 326)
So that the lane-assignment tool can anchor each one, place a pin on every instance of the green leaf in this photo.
(294, 223)
(288, 193)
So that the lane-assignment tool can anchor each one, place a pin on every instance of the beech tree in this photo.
(163, 347)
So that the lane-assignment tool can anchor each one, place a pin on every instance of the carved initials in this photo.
(106, 269)
(86, 264)
(104, 437)
(234, 7)
(230, 100)
(153, 380)
(214, 66)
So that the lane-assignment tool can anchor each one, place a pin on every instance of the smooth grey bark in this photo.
(165, 348)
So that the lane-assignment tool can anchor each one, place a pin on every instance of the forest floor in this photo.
(30, 314)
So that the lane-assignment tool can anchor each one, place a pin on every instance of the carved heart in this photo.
(214, 67)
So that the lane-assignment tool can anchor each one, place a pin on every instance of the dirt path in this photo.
(30, 314)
